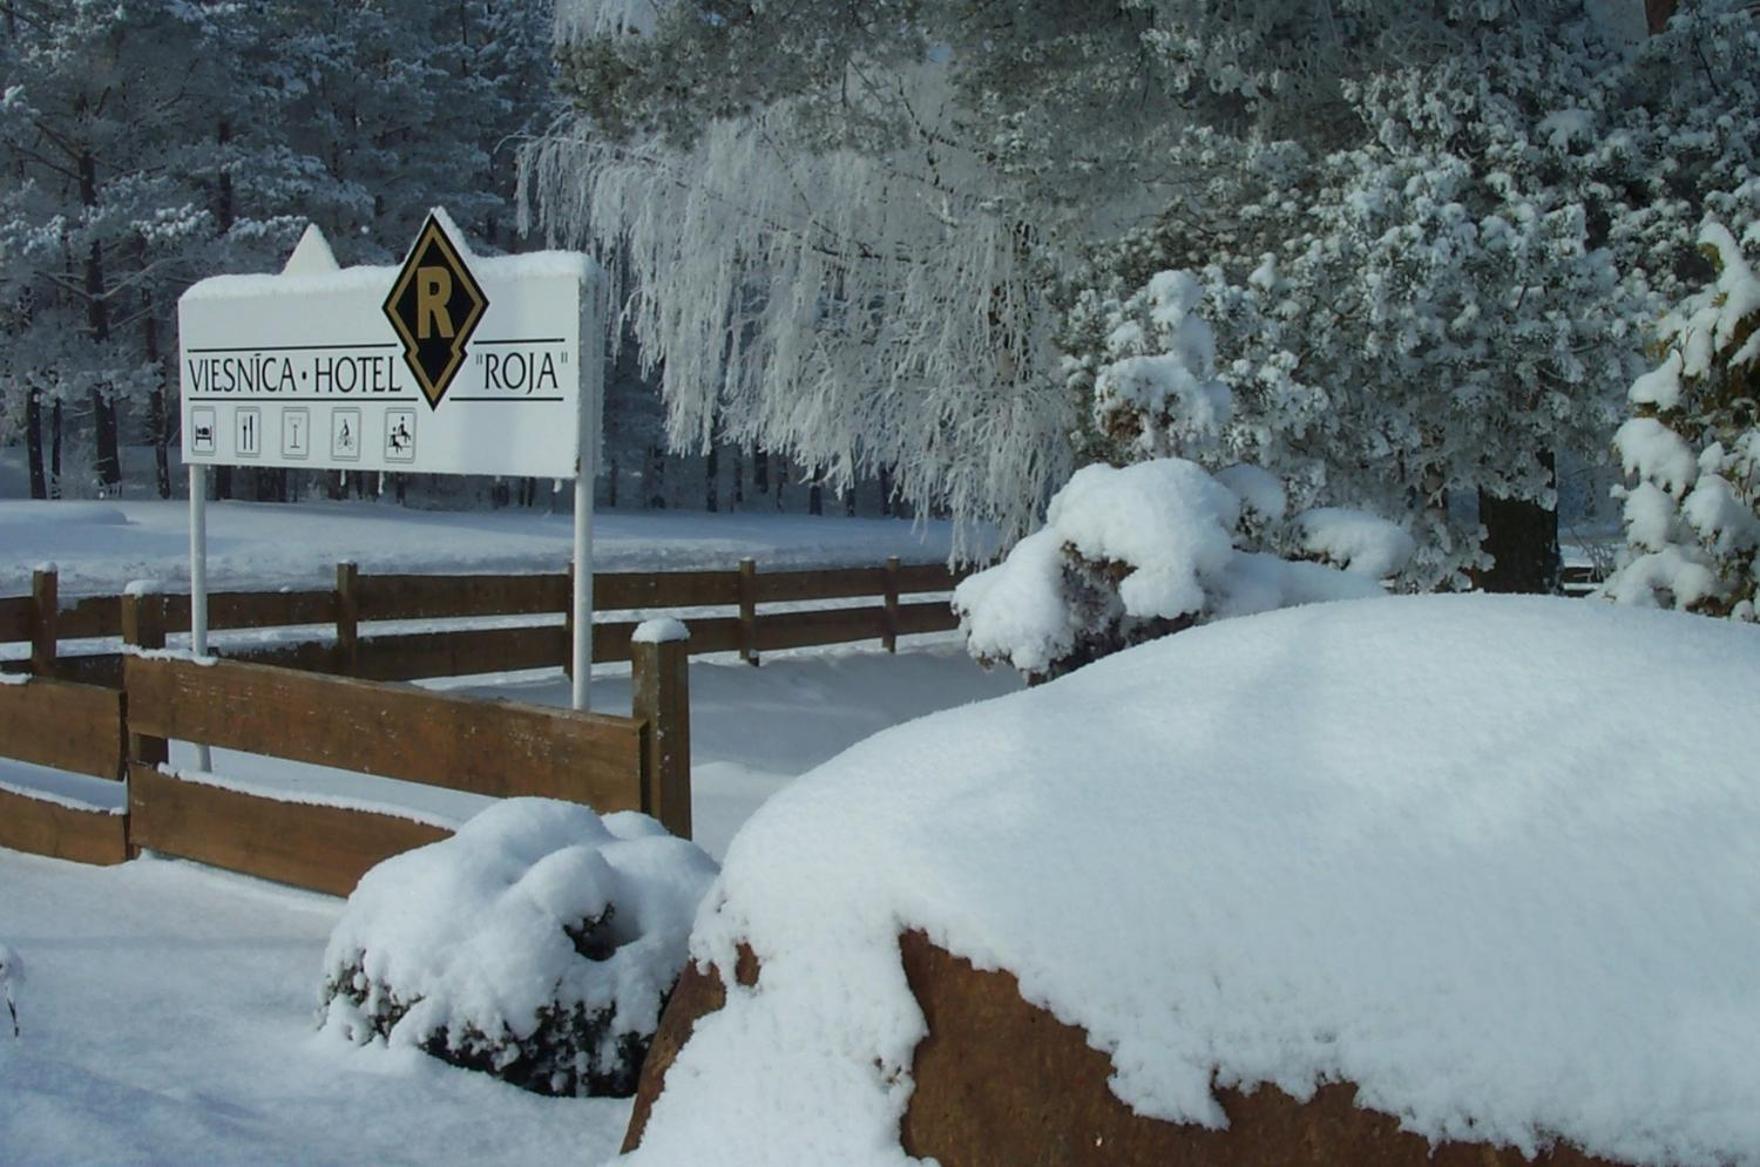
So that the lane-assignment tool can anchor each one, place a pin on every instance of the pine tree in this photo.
(1692, 446)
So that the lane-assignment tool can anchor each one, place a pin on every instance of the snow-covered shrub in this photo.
(1131, 553)
(538, 944)
(1134, 553)
(1692, 447)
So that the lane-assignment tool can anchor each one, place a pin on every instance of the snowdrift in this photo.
(1490, 862)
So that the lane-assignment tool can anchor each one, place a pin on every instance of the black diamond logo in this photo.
(435, 306)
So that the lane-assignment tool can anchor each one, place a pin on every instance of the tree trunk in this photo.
(739, 474)
(816, 497)
(55, 450)
(1522, 539)
(33, 441)
(656, 479)
(761, 471)
(886, 508)
(611, 484)
(156, 419)
(109, 465)
(712, 480)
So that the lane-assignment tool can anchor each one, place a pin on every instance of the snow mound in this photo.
(539, 943)
(1453, 849)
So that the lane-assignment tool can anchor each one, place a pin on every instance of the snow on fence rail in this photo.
(361, 599)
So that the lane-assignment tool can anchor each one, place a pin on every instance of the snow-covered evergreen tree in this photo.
(145, 145)
(98, 207)
(1128, 554)
(1692, 446)
(1424, 316)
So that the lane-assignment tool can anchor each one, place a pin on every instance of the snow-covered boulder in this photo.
(1469, 877)
(538, 944)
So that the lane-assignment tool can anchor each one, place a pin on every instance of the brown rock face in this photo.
(697, 994)
(1001, 1083)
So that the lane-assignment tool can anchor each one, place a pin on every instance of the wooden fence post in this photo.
(348, 619)
(143, 627)
(748, 611)
(890, 640)
(660, 675)
(45, 613)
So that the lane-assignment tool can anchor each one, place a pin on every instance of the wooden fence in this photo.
(493, 748)
(328, 698)
(340, 641)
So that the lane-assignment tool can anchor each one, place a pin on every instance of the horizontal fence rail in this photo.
(493, 748)
(338, 636)
(63, 726)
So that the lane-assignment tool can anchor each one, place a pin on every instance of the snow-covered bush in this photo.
(1131, 553)
(538, 944)
(1134, 553)
(1692, 448)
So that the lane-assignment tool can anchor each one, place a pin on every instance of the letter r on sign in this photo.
(433, 291)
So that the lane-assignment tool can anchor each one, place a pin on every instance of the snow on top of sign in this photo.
(143, 587)
(496, 267)
(1453, 849)
(450, 226)
(312, 255)
(312, 270)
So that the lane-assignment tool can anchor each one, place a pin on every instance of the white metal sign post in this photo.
(446, 364)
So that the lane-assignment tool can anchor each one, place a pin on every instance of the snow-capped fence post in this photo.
(890, 639)
(45, 612)
(348, 618)
(660, 675)
(748, 611)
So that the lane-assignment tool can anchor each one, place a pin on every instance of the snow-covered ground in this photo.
(168, 1010)
(99, 546)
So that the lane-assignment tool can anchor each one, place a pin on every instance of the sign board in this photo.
(447, 364)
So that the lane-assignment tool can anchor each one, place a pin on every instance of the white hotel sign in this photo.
(447, 364)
